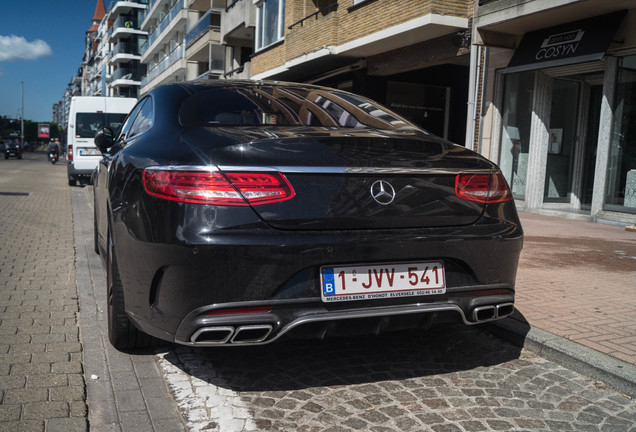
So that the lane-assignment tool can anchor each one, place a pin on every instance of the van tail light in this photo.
(69, 153)
(483, 188)
(231, 188)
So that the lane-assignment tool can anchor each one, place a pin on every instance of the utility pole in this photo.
(22, 113)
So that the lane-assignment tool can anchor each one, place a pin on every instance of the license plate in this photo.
(89, 152)
(365, 282)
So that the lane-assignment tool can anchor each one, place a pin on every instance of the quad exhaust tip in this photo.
(232, 335)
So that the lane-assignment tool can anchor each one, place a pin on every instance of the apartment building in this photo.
(203, 48)
(94, 63)
(183, 41)
(560, 103)
(123, 47)
(237, 37)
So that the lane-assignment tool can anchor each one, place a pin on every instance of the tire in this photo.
(72, 181)
(122, 334)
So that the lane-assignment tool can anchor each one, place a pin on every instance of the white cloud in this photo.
(14, 48)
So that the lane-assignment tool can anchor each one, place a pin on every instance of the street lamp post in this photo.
(22, 114)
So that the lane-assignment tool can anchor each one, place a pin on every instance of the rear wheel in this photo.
(71, 181)
(121, 332)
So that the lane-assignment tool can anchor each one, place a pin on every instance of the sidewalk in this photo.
(41, 380)
(576, 293)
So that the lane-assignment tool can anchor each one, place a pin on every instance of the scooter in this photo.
(53, 157)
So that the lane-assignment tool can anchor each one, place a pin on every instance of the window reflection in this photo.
(621, 170)
(285, 106)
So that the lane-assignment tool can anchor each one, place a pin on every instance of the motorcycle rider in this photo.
(54, 149)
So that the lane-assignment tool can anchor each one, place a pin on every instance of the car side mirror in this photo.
(104, 139)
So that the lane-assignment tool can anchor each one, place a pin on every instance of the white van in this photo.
(87, 115)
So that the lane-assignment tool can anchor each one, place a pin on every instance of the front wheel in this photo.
(122, 334)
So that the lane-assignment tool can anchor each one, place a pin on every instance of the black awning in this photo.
(565, 44)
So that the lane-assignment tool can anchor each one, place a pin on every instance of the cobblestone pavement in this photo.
(41, 382)
(447, 379)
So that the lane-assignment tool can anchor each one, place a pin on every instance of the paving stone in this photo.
(71, 424)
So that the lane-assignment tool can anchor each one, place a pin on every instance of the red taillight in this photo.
(69, 152)
(484, 188)
(235, 188)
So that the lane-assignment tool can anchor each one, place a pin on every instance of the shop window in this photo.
(270, 18)
(621, 168)
(561, 145)
(515, 131)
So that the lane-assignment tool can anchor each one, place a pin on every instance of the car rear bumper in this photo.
(76, 172)
(171, 290)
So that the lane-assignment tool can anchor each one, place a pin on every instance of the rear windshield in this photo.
(285, 106)
(88, 124)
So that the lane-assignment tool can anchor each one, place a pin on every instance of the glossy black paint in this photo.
(178, 260)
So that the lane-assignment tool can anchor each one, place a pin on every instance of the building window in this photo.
(621, 168)
(515, 131)
(270, 21)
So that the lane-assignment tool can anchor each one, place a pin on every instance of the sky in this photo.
(41, 45)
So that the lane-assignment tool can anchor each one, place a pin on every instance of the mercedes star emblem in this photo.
(382, 192)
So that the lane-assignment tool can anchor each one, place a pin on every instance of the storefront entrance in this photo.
(571, 104)
(573, 129)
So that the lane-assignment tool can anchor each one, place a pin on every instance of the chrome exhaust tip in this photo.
(484, 313)
(505, 309)
(212, 335)
(251, 334)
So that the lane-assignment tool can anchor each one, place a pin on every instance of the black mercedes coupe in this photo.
(241, 212)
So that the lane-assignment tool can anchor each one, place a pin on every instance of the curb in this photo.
(587, 361)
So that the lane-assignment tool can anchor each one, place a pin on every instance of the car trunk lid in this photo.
(348, 179)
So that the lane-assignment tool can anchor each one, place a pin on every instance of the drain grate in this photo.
(14, 193)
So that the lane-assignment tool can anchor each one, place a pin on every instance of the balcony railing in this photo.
(127, 74)
(126, 21)
(230, 4)
(111, 5)
(177, 54)
(126, 47)
(331, 7)
(151, 3)
(179, 4)
(211, 20)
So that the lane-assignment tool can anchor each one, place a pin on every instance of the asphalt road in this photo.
(449, 378)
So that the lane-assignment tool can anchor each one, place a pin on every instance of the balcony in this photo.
(148, 11)
(165, 24)
(125, 51)
(126, 76)
(127, 47)
(177, 54)
(118, 7)
(210, 21)
(239, 22)
(125, 26)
